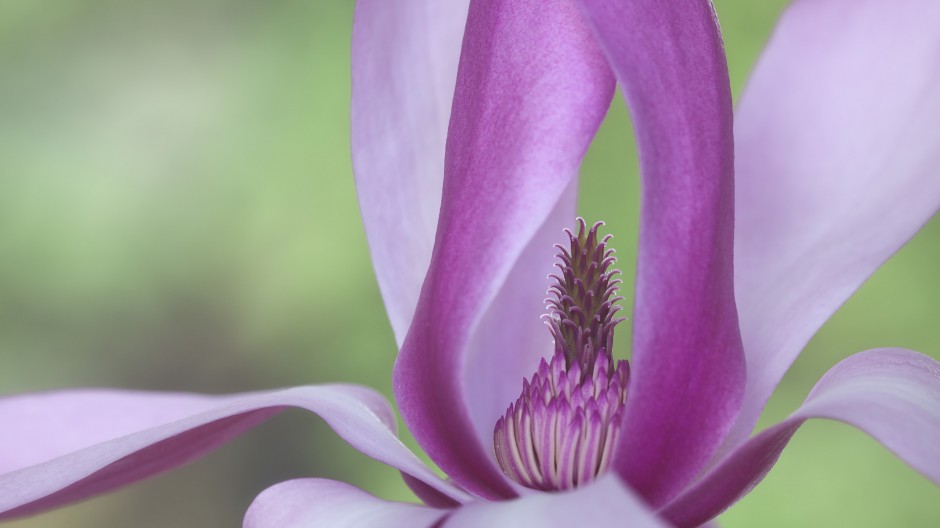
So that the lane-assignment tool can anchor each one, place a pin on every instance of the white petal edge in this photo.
(309, 503)
(607, 502)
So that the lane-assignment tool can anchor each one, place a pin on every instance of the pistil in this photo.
(561, 431)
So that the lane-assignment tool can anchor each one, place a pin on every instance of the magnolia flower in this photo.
(831, 180)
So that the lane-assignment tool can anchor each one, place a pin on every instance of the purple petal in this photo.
(607, 502)
(57, 448)
(688, 366)
(404, 65)
(532, 88)
(404, 69)
(891, 394)
(306, 503)
(838, 151)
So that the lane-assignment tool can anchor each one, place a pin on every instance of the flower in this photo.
(809, 216)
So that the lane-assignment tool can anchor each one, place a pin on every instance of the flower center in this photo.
(561, 431)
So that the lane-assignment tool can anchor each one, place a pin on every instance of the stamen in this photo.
(560, 432)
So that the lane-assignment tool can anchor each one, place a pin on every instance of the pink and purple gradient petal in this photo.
(306, 503)
(94, 455)
(838, 165)
(404, 66)
(532, 88)
(688, 366)
(891, 394)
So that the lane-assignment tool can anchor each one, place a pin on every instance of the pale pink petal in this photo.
(838, 165)
(688, 366)
(57, 448)
(41, 426)
(532, 87)
(509, 340)
(309, 503)
(891, 394)
(404, 66)
(606, 502)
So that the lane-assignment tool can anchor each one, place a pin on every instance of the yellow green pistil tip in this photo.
(561, 431)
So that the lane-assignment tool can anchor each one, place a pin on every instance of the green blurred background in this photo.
(177, 212)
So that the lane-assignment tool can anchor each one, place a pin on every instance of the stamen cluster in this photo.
(561, 431)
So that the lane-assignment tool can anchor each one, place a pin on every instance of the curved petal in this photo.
(82, 443)
(688, 367)
(404, 69)
(838, 165)
(305, 503)
(607, 502)
(532, 88)
(404, 66)
(891, 394)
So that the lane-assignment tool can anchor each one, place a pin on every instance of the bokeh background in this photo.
(177, 212)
